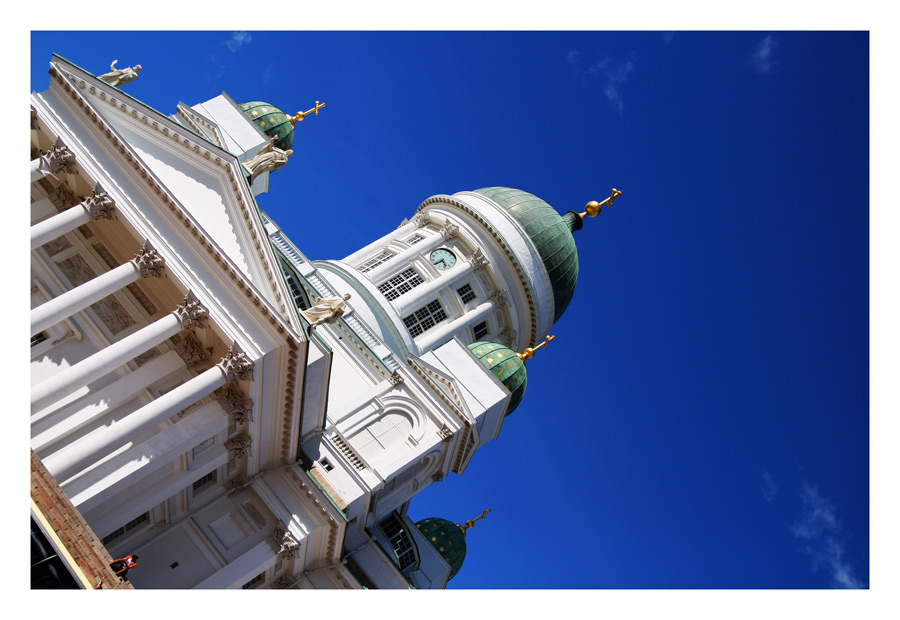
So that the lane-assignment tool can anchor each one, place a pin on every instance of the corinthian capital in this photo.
(58, 158)
(99, 204)
(449, 231)
(235, 404)
(191, 312)
(285, 543)
(239, 445)
(478, 260)
(148, 261)
(236, 365)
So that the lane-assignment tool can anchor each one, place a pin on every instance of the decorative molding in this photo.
(191, 313)
(499, 299)
(191, 350)
(282, 583)
(62, 198)
(99, 205)
(421, 220)
(149, 262)
(238, 407)
(445, 433)
(396, 378)
(239, 446)
(236, 482)
(58, 158)
(437, 476)
(236, 365)
(478, 260)
(507, 337)
(449, 231)
(57, 245)
(286, 545)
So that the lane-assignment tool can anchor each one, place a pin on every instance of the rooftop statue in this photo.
(326, 310)
(118, 77)
(270, 157)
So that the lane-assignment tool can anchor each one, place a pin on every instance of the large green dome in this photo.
(551, 235)
(505, 364)
(272, 121)
(447, 538)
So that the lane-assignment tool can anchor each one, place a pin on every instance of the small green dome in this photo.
(505, 364)
(551, 235)
(447, 538)
(272, 121)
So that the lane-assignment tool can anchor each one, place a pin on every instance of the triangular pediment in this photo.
(205, 182)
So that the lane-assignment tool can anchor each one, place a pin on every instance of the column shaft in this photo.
(80, 297)
(59, 224)
(443, 333)
(72, 459)
(103, 361)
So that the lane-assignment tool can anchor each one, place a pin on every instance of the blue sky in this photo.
(702, 418)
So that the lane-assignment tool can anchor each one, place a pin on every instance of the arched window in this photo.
(391, 428)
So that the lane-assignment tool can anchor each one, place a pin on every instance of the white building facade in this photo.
(193, 413)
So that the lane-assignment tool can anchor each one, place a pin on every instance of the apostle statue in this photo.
(326, 310)
(117, 77)
(270, 157)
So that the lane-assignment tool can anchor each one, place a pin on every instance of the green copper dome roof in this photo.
(505, 364)
(272, 121)
(447, 538)
(550, 234)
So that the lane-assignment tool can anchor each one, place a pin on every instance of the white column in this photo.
(189, 314)
(128, 468)
(147, 263)
(137, 500)
(444, 332)
(241, 570)
(57, 159)
(53, 424)
(97, 205)
(72, 459)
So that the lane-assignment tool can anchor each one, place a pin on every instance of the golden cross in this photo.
(592, 209)
(471, 522)
(299, 116)
(529, 352)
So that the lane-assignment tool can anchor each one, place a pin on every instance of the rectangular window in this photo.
(403, 282)
(376, 260)
(466, 293)
(38, 338)
(254, 582)
(425, 318)
(401, 543)
(481, 330)
(126, 528)
(204, 483)
(414, 239)
(326, 464)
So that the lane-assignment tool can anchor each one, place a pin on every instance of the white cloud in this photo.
(769, 489)
(763, 57)
(818, 526)
(613, 72)
(238, 40)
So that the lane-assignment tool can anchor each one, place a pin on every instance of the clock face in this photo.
(443, 258)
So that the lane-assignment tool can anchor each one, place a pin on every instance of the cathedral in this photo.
(233, 414)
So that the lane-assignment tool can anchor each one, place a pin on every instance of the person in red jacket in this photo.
(123, 565)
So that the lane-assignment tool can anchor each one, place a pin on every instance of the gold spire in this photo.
(529, 352)
(592, 209)
(471, 522)
(299, 116)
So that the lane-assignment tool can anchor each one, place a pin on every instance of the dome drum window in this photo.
(400, 284)
(376, 260)
(401, 542)
(466, 294)
(480, 330)
(425, 318)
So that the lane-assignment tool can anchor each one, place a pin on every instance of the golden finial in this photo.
(592, 209)
(471, 522)
(299, 116)
(529, 352)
